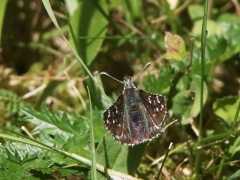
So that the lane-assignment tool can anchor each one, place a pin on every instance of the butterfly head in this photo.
(128, 83)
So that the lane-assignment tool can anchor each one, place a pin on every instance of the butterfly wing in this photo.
(156, 112)
(139, 119)
(114, 121)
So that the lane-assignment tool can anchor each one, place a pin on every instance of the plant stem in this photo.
(203, 44)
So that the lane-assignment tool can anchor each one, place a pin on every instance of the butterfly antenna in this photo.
(141, 71)
(104, 73)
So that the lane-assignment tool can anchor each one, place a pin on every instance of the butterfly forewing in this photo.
(156, 108)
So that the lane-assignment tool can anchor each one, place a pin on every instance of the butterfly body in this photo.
(136, 116)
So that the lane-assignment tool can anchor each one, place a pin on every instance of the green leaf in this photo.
(89, 23)
(13, 170)
(234, 176)
(212, 28)
(99, 128)
(175, 46)
(162, 82)
(21, 153)
(182, 104)
(131, 10)
(235, 147)
(222, 40)
(226, 108)
(11, 104)
(231, 34)
(196, 86)
(119, 157)
(216, 46)
(3, 5)
(196, 64)
(60, 130)
(16, 159)
(54, 123)
(27, 161)
(228, 18)
(34, 160)
(195, 11)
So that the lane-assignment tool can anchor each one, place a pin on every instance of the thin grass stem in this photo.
(203, 45)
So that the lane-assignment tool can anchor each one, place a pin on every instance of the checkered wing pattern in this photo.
(156, 111)
(136, 116)
(114, 121)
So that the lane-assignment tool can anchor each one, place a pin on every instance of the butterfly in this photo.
(137, 116)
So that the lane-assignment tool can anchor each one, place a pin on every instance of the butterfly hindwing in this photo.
(114, 120)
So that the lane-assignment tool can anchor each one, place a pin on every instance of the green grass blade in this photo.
(3, 5)
(94, 171)
(203, 45)
(166, 155)
(234, 126)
